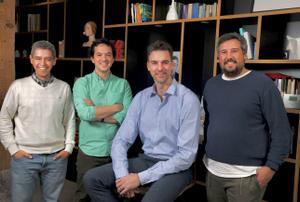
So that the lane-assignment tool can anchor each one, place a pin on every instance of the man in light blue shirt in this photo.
(166, 116)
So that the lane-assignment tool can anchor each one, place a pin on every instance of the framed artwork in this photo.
(263, 5)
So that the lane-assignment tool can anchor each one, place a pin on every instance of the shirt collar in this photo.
(171, 90)
(43, 83)
(100, 79)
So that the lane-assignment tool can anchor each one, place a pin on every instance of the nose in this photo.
(160, 66)
(43, 61)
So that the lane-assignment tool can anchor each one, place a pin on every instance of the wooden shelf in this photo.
(33, 32)
(238, 16)
(39, 4)
(271, 61)
(74, 59)
(120, 60)
(290, 160)
(293, 111)
(115, 26)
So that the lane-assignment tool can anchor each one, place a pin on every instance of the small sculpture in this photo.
(90, 29)
(172, 13)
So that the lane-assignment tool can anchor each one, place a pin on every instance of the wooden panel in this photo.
(4, 158)
(7, 32)
(7, 65)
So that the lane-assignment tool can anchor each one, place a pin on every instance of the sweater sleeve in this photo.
(8, 111)
(276, 117)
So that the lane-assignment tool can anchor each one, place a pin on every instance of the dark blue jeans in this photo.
(100, 182)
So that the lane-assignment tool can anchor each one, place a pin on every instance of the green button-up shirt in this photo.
(95, 137)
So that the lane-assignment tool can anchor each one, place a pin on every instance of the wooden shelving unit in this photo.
(196, 40)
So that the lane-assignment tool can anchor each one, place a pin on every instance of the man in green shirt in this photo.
(101, 100)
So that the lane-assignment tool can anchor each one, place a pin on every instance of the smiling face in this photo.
(103, 59)
(160, 66)
(42, 61)
(231, 58)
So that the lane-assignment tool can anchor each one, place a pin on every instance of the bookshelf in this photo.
(195, 39)
(59, 20)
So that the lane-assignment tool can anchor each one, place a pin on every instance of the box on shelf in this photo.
(291, 101)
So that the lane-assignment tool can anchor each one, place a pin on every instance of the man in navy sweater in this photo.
(248, 133)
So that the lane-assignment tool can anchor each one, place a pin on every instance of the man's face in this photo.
(231, 58)
(102, 58)
(42, 61)
(160, 66)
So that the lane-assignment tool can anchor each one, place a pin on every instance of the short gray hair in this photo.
(43, 45)
(233, 35)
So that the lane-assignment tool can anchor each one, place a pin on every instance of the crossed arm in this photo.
(105, 113)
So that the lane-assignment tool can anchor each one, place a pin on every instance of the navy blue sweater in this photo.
(247, 122)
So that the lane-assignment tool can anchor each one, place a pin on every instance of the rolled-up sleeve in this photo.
(81, 92)
(126, 102)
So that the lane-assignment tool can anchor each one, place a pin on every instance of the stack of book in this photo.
(285, 84)
(196, 10)
(33, 22)
(140, 12)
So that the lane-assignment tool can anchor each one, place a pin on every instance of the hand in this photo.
(129, 194)
(88, 102)
(127, 183)
(264, 175)
(61, 154)
(19, 154)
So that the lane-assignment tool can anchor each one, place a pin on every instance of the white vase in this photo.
(172, 13)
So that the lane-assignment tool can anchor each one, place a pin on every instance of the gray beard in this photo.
(234, 73)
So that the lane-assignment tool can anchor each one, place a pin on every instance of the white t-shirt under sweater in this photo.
(226, 170)
(36, 119)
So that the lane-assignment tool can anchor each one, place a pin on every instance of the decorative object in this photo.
(24, 53)
(293, 47)
(90, 29)
(172, 13)
(17, 54)
(61, 49)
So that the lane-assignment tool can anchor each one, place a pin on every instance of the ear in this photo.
(31, 59)
(54, 62)
(148, 65)
(92, 59)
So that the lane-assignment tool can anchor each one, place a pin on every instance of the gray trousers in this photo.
(244, 189)
(99, 182)
(83, 164)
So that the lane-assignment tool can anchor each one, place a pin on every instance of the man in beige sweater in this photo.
(37, 126)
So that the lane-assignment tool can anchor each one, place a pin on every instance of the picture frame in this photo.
(264, 5)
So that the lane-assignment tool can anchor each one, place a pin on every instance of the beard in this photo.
(233, 72)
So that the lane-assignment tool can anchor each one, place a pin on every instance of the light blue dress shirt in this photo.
(169, 130)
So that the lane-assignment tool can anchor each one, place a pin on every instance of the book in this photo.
(195, 10)
(146, 12)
